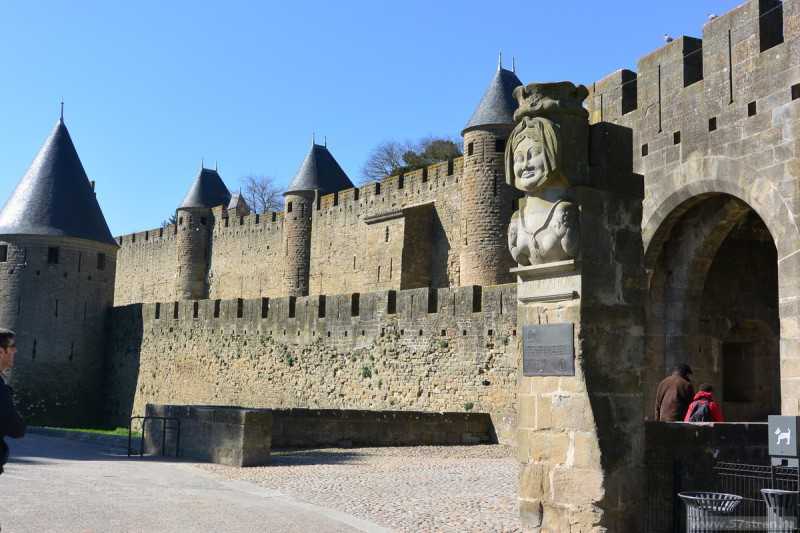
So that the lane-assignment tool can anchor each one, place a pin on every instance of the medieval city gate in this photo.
(713, 303)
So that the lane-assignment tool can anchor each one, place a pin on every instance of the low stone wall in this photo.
(303, 428)
(226, 435)
(239, 436)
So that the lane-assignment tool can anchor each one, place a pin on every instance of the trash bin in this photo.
(708, 511)
(781, 509)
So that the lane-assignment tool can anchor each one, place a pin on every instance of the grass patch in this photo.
(116, 432)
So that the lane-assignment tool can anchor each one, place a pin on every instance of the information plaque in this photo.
(548, 350)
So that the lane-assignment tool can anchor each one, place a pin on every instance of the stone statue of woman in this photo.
(545, 228)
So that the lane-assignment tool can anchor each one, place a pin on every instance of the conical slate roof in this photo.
(498, 104)
(54, 197)
(208, 190)
(320, 171)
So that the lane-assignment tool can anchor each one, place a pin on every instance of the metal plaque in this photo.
(548, 350)
(782, 435)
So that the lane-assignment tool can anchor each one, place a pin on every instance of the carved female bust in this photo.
(545, 228)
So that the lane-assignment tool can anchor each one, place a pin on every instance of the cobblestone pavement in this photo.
(414, 489)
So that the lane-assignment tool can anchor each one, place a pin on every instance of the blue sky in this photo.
(153, 87)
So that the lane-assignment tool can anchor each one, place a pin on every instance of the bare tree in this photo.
(392, 157)
(261, 193)
(173, 219)
(384, 160)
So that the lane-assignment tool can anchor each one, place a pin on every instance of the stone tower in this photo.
(57, 268)
(195, 223)
(486, 200)
(318, 175)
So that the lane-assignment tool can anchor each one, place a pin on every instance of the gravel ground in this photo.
(414, 489)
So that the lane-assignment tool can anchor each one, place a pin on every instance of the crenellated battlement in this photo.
(700, 95)
(309, 316)
(397, 190)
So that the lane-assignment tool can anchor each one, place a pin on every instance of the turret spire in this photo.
(500, 60)
(62, 109)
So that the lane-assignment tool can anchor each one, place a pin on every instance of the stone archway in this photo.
(713, 303)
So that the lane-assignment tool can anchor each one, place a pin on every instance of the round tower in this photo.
(195, 225)
(319, 174)
(57, 270)
(486, 200)
(298, 207)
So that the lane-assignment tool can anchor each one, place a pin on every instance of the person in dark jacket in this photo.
(705, 397)
(11, 424)
(674, 394)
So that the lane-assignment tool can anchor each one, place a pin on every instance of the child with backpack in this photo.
(703, 407)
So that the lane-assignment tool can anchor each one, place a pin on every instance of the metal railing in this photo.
(164, 428)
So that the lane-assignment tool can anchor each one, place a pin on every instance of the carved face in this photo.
(530, 165)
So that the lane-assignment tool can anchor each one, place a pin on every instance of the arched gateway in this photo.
(722, 265)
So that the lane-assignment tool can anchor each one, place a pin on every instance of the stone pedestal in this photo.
(581, 432)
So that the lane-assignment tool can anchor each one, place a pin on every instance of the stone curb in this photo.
(83, 436)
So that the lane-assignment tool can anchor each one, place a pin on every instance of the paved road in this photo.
(59, 485)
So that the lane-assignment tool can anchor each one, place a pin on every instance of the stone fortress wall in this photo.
(361, 240)
(450, 349)
(709, 117)
(716, 127)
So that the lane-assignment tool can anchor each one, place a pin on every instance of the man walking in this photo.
(11, 424)
(674, 394)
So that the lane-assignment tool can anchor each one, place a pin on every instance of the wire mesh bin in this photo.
(709, 511)
(781, 509)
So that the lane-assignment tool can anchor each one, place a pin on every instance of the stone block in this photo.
(534, 481)
(585, 451)
(548, 446)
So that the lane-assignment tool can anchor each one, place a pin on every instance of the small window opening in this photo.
(450, 166)
(175, 310)
(289, 207)
(356, 194)
(264, 307)
(386, 235)
(55, 310)
(158, 310)
(391, 303)
(160, 232)
(180, 221)
(433, 300)
(3, 253)
(751, 109)
(274, 216)
(147, 235)
(321, 306)
(52, 255)
(477, 298)
(443, 333)
(795, 91)
(355, 300)
(101, 261)
(424, 174)
(676, 137)
(336, 198)
(239, 308)
(377, 188)
(401, 181)
(258, 218)
(500, 145)
(216, 308)
(241, 221)
(712, 124)
(227, 221)
(33, 353)
(292, 306)
(195, 309)
(645, 149)
(470, 148)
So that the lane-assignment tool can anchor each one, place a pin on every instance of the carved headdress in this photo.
(542, 109)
